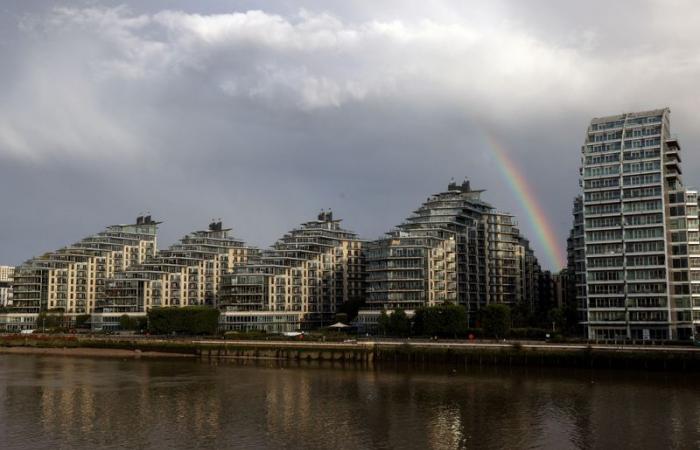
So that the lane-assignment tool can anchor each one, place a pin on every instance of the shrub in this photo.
(191, 320)
(528, 333)
(245, 335)
(476, 332)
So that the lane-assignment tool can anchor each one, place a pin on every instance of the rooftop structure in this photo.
(70, 280)
(298, 283)
(188, 273)
(455, 248)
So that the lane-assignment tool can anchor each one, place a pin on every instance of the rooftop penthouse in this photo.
(454, 248)
(186, 274)
(298, 283)
(72, 278)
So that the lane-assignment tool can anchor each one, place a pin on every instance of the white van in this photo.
(26, 332)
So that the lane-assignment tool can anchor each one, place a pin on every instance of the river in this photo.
(49, 402)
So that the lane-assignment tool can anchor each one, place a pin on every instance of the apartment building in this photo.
(70, 280)
(576, 266)
(188, 273)
(6, 278)
(455, 248)
(637, 264)
(299, 283)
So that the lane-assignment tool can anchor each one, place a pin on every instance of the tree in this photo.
(142, 323)
(570, 317)
(383, 322)
(495, 320)
(556, 316)
(395, 324)
(441, 320)
(127, 323)
(50, 320)
(399, 323)
(82, 321)
(522, 316)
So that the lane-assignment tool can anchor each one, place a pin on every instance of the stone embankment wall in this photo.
(416, 355)
(382, 354)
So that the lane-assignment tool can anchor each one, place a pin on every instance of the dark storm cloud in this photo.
(264, 113)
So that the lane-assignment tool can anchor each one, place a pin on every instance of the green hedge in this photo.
(529, 333)
(190, 320)
(445, 320)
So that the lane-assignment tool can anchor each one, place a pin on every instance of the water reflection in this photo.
(58, 402)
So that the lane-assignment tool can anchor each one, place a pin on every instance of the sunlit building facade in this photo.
(455, 248)
(299, 283)
(6, 277)
(72, 279)
(188, 273)
(640, 232)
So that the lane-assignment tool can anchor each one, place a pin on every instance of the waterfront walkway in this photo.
(452, 344)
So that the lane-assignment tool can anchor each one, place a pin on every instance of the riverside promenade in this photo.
(374, 352)
(455, 353)
(450, 344)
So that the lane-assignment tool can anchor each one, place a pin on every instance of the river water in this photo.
(49, 402)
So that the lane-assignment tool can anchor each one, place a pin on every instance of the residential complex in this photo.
(633, 269)
(70, 280)
(6, 279)
(299, 283)
(188, 273)
(635, 247)
(455, 248)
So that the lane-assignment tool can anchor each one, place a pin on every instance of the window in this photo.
(636, 180)
(603, 209)
(644, 219)
(644, 233)
(646, 274)
(604, 235)
(603, 222)
(646, 260)
(602, 196)
(642, 192)
(644, 247)
(648, 205)
(601, 183)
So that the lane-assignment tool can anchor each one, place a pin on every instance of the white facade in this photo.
(640, 228)
(6, 277)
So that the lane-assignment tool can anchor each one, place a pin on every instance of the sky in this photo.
(264, 113)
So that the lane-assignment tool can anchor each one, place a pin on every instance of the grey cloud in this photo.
(266, 113)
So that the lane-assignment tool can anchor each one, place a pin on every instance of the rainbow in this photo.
(525, 194)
